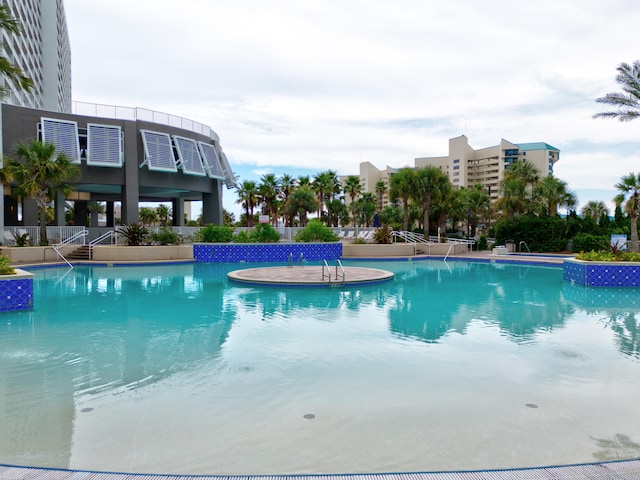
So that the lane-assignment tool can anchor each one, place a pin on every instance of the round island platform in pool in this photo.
(310, 276)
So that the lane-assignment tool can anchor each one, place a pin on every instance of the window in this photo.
(104, 145)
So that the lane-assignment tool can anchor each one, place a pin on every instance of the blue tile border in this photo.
(605, 274)
(265, 252)
(16, 292)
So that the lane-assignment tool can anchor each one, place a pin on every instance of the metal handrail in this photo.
(448, 252)
(522, 242)
(339, 265)
(66, 241)
(328, 274)
(111, 234)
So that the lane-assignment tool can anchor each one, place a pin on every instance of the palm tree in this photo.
(381, 189)
(322, 187)
(367, 205)
(627, 102)
(38, 175)
(301, 202)
(629, 188)
(268, 189)
(430, 182)
(353, 187)
(402, 186)
(554, 193)
(595, 209)
(247, 196)
(148, 216)
(164, 214)
(477, 203)
(287, 185)
(513, 198)
(8, 69)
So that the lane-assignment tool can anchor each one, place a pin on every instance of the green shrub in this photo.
(135, 233)
(166, 236)
(265, 233)
(22, 240)
(243, 237)
(608, 256)
(316, 231)
(541, 234)
(482, 243)
(383, 234)
(359, 241)
(5, 268)
(214, 234)
(586, 242)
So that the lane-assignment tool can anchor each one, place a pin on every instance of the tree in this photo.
(353, 187)
(268, 190)
(301, 202)
(8, 69)
(366, 206)
(627, 102)
(248, 196)
(38, 175)
(322, 186)
(629, 188)
(595, 209)
(554, 193)
(430, 182)
(286, 185)
(402, 186)
(164, 215)
(148, 216)
(381, 189)
(477, 203)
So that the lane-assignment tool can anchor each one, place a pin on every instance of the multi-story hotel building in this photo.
(467, 167)
(125, 155)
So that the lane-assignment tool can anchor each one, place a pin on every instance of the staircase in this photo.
(83, 252)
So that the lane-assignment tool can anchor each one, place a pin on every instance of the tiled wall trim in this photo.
(606, 274)
(16, 293)
(266, 252)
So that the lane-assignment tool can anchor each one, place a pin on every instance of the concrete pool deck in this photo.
(618, 470)
(310, 276)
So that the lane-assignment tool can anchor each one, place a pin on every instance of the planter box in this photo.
(602, 274)
(401, 249)
(16, 291)
(147, 253)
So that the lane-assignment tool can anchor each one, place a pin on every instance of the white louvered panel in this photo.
(229, 179)
(210, 157)
(158, 151)
(104, 145)
(64, 135)
(189, 156)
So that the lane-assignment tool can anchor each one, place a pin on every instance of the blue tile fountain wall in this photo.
(606, 274)
(16, 293)
(265, 252)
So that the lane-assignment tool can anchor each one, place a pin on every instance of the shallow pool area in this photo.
(459, 365)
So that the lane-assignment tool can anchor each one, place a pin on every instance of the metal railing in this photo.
(67, 241)
(326, 271)
(112, 235)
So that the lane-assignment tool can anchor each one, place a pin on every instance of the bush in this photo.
(482, 243)
(383, 234)
(243, 237)
(22, 240)
(541, 234)
(315, 231)
(166, 236)
(135, 233)
(586, 242)
(608, 256)
(265, 233)
(214, 234)
(5, 268)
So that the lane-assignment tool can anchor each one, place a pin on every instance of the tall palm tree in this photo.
(402, 185)
(595, 209)
(40, 174)
(381, 189)
(627, 102)
(148, 216)
(287, 185)
(430, 183)
(477, 204)
(554, 193)
(268, 190)
(353, 187)
(367, 205)
(629, 188)
(247, 196)
(322, 187)
(301, 202)
(8, 69)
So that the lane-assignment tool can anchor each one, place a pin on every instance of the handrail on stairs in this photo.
(111, 234)
(56, 247)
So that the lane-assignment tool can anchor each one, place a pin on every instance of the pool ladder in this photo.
(300, 260)
(326, 272)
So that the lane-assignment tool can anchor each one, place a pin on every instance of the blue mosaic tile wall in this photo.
(16, 294)
(265, 252)
(602, 274)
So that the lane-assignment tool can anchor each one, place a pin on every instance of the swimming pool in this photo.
(453, 365)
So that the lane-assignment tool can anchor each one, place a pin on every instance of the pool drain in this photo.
(309, 416)
(87, 409)
(531, 405)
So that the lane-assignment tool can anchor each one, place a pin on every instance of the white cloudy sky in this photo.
(301, 86)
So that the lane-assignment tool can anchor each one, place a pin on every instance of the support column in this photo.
(178, 212)
(110, 214)
(131, 189)
(30, 212)
(58, 207)
(212, 206)
(80, 213)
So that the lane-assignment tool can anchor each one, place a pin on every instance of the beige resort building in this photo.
(467, 167)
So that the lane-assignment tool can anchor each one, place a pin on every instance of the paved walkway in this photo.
(623, 470)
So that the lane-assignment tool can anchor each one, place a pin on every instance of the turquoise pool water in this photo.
(450, 366)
